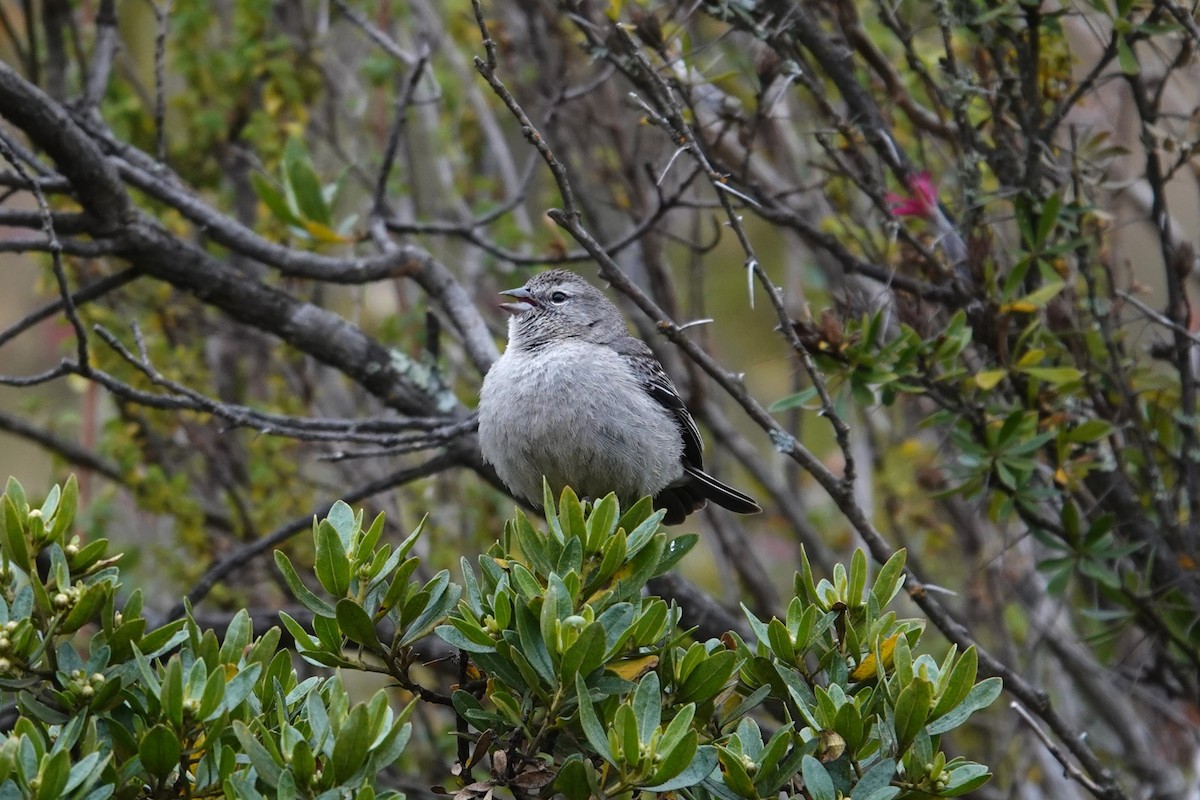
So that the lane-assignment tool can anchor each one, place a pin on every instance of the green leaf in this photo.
(890, 578)
(647, 706)
(159, 751)
(240, 686)
(172, 691)
(442, 598)
(640, 536)
(466, 635)
(356, 624)
(781, 641)
(264, 763)
(777, 768)
(817, 781)
(64, 514)
(1126, 58)
(473, 598)
(532, 645)
(54, 771)
(351, 743)
(303, 640)
(912, 711)
(876, 778)
(592, 729)
(797, 400)
(15, 545)
(88, 767)
(305, 184)
(1056, 376)
(982, 695)
(570, 515)
(307, 598)
(584, 655)
(343, 519)
(625, 727)
(331, 564)
(960, 683)
(617, 621)
(612, 557)
(1093, 430)
(534, 545)
(210, 698)
(16, 493)
(676, 730)
(602, 523)
(636, 514)
(1043, 294)
(366, 545)
(858, 578)
(555, 607)
(966, 778)
(1047, 222)
(700, 767)
(676, 549)
(274, 201)
(705, 683)
(734, 773)
(572, 779)
(87, 555)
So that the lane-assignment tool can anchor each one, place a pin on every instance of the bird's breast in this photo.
(578, 415)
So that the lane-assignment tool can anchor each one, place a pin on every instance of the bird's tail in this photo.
(724, 496)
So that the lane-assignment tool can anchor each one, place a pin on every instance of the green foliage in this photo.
(578, 680)
(303, 204)
(1044, 408)
(109, 708)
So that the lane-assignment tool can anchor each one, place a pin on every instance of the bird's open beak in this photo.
(525, 301)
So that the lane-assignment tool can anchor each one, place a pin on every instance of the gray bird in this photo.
(578, 400)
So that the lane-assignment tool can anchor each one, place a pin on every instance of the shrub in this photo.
(572, 678)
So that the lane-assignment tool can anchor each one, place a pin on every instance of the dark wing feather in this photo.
(659, 386)
(691, 493)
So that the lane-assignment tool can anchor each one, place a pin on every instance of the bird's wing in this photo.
(658, 385)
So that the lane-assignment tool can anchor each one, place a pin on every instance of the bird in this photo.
(576, 400)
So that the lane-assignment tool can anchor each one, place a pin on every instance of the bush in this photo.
(572, 679)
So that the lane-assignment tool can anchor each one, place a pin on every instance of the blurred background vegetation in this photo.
(961, 231)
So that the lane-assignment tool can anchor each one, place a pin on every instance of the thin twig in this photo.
(87, 294)
(379, 207)
(104, 51)
(162, 13)
(60, 273)
(248, 552)
(379, 432)
(390, 46)
(1158, 316)
(1069, 769)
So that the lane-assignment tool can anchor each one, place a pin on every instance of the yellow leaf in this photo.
(866, 668)
(324, 233)
(634, 668)
(1032, 358)
(989, 378)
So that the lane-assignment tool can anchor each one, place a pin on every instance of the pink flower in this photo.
(922, 200)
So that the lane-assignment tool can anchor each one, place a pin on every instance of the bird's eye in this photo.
(558, 298)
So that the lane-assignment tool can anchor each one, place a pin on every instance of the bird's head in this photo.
(559, 305)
